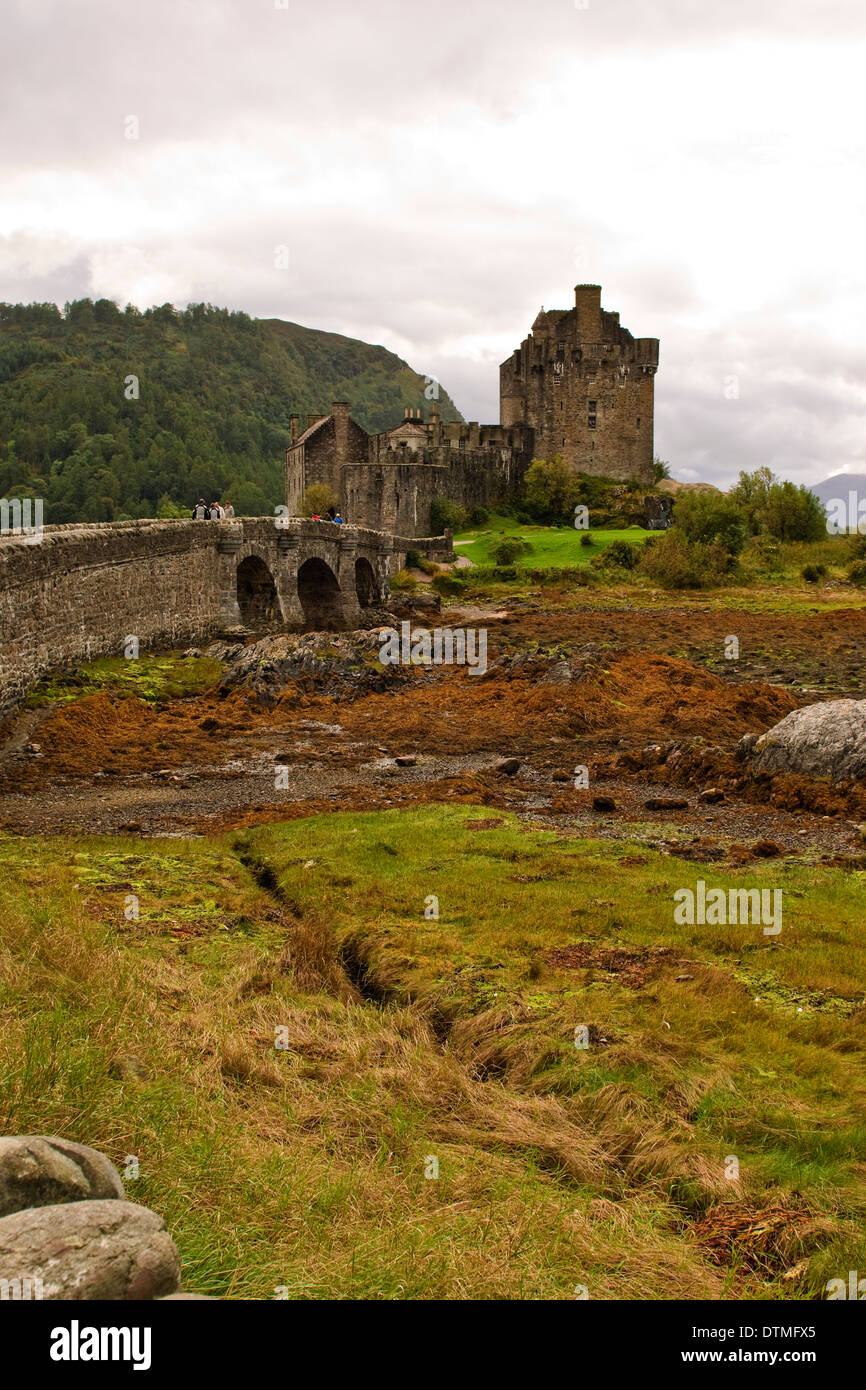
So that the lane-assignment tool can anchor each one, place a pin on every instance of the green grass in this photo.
(550, 546)
(452, 1037)
(151, 677)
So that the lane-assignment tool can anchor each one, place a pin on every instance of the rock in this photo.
(507, 765)
(405, 760)
(603, 803)
(426, 604)
(91, 1250)
(560, 673)
(37, 1172)
(824, 740)
(666, 803)
(711, 795)
(652, 755)
(745, 746)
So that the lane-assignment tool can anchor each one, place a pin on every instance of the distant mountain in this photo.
(215, 391)
(839, 485)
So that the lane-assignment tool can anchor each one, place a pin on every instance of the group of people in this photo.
(217, 511)
(211, 511)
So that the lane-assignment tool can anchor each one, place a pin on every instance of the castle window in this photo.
(638, 422)
(560, 352)
(592, 417)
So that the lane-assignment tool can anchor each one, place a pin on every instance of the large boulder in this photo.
(36, 1171)
(90, 1250)
(826, 740)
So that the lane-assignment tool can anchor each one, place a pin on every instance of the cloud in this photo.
(437, 174)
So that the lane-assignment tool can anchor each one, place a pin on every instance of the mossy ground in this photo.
(149, 677)
(412, 1038)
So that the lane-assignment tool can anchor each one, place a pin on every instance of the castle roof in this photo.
(311, 429)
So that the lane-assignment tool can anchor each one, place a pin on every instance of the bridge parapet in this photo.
(79, 591)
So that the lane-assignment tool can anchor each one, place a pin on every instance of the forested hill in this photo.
(216, 390)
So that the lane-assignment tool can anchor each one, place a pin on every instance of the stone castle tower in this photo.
(584, 386)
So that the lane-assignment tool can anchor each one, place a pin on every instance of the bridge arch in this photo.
(258, 603)
(366, 586)
(320, 597)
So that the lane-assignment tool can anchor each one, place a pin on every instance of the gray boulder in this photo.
(825, 740)
(90, 1250)
(36, 1171)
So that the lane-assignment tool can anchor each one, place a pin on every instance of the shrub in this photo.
(586, 538)
(317, 498)
(403, 581)
(784, 510)
(446, 515)
(448, 584)
(857, 573)
(661, 469)
(812, 573)
(619, 554)
(792, 513)
(506, 551)
(677, 563)
(478, 516)
(551, 490)
(413, 559)
(709, 518)
(768, 552)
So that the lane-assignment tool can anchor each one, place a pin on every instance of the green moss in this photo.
(149, 678)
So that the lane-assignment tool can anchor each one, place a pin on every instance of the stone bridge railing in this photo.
(72, 593)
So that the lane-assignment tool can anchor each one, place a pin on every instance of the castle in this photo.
(579, 385)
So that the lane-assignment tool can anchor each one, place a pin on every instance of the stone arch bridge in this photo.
(73, 593)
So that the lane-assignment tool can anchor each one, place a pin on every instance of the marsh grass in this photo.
(411, 1038)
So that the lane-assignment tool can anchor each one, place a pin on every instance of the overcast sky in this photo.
(437, 172)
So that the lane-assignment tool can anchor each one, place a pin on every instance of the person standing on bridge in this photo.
(338, 520)
(228, 509)
(216, 511)
(200, 511)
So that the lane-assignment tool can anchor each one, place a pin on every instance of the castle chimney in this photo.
(340, 416)
(293, 423)
(405, 412)
(587, 301)
(473, 434)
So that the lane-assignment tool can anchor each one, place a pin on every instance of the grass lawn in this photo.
(427, 1038)
(551, 545)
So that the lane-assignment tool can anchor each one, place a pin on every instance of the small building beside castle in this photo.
(579, 385)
